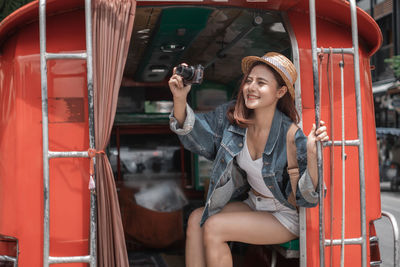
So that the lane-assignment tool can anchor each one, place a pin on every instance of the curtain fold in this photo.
(112, 29)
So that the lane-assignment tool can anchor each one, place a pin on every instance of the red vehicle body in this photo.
(21, 186)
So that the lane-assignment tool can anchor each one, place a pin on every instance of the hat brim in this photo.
(249, 61)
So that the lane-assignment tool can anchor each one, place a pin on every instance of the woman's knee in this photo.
(193, 224)
(212, 230)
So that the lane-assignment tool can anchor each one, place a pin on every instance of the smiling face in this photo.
(261, 89)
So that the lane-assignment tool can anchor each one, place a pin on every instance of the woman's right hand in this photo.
(177, 87)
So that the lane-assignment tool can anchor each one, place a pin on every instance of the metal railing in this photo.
(44, 57)
(359, 143)
(396, 245)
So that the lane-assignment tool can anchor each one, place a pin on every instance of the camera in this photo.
(190, 74)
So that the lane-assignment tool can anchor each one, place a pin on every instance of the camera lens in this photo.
(186, 72)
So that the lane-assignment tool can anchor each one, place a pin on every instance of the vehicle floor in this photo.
(244, 255)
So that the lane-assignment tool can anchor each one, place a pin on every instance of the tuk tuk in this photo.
(85, 131)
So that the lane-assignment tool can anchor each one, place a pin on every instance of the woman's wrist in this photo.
(179, 100)
(311, 147)
(180, 110)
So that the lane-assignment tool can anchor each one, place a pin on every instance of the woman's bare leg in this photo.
(247, 226)
(194, 251)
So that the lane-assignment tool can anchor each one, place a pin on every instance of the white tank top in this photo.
(253, 170)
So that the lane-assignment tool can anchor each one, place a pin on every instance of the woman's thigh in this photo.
(235, 207)
(195, 216)
(247, 226)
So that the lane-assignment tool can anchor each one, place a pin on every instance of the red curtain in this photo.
(112, 29)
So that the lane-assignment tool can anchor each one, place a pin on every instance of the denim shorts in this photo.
(286, 216)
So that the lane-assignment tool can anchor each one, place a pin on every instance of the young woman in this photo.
(246, 139)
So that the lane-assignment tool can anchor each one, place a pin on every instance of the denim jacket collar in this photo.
(273, 132)
(234, 128)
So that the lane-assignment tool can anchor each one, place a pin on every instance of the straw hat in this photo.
(278, 62)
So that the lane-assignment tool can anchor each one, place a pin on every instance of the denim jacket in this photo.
(214, 137)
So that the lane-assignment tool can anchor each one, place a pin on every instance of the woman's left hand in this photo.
(315, 135)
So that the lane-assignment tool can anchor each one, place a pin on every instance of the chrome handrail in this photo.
(395, 226)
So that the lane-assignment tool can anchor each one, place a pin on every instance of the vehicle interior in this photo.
(159, 182)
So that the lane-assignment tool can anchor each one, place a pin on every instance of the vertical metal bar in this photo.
(45, 132)
(332, 153)
(317, 119)
(356, 60)
(89, 65)
(341, 64)
(273, 258)
(392, 219)
(303, 236)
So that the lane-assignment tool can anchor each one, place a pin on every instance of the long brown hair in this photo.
(240, 114)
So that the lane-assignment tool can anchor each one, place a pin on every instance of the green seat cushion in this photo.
(291, 245)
